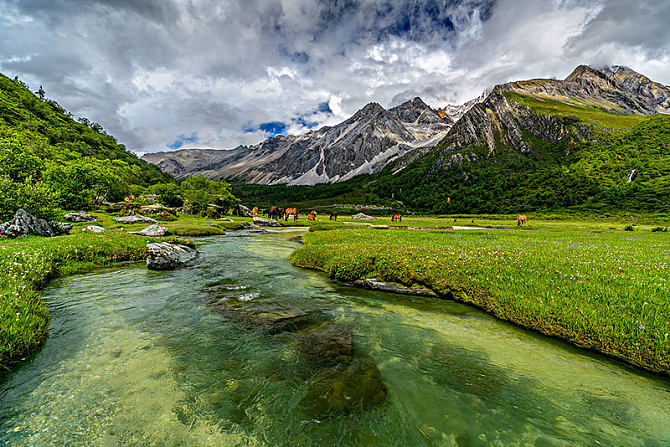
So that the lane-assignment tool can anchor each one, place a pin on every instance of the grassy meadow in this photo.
(594, 284)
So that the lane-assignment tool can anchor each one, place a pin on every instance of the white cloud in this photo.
(153, 70)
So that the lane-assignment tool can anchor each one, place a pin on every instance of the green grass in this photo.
(591, 284)
(586, 112)
(27, 263)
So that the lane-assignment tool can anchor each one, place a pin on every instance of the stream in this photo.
(215, 354)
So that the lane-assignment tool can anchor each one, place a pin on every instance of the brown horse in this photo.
(255, 211)
(312, 215)
(521, 220)
(274, 212)
(291, 211)
(333, 215)
(397, 217)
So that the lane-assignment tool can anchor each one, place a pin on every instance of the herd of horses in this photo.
(275, 212)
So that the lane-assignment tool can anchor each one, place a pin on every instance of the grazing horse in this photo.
(255, 211)
(333, 215)
(521, 220)
(289, 211)
(274, 212)
(312, 215)
(397, 217)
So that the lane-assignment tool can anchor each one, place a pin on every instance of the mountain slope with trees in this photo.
(51, 161)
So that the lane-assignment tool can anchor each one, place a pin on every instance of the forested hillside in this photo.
(51, 161)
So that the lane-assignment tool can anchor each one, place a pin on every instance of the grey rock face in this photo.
(79, 217)
(25, 223)
(167, 256)
(134, 219)
(94, 229)
(153, 231)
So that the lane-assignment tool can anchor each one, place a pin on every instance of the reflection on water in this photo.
(145, 358)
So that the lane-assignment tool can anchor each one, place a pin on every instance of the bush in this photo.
(628, 228)
(659, 230)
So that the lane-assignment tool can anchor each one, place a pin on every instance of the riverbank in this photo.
(27, 264)
(596, 286)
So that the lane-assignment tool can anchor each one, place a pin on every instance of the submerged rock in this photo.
(346, 387)
(260, 221)
(79, 217)
(25, 223)
(168, 256)
(326, 343)
(268, 317)
(94, 229)
(153, 231)
(134, 219)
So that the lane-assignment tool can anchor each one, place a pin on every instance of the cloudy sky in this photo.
(165, 74)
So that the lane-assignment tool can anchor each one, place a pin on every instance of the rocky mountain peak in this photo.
(584, 72)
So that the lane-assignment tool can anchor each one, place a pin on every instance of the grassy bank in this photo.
(27, 263)
(592, 284)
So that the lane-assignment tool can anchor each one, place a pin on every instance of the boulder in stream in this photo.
(169, 256)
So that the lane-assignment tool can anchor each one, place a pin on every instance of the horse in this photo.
(333, 215)
(255, 211)
(521, 220)
(274, 212)
(397, 217)
(312, 215)
(289, 211)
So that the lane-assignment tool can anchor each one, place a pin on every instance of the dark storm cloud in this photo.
(154, 71)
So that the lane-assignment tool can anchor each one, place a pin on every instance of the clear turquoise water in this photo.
(143, 358)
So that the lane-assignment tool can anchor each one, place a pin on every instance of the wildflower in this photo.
(641, 327)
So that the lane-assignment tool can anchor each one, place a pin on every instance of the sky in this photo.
(162, 75)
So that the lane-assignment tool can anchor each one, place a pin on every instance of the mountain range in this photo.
(375, 138)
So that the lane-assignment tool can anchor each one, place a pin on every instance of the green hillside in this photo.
(587, 170)
(51, 161)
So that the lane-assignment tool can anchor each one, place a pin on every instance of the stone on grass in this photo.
(25, 223)
(79, 217)
(94, 229)
(153, 231)
(135, 219)
(361, 216)
(60, 227)
(262, 222)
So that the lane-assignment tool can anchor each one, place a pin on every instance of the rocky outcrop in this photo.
(135, 219)
(24, 223)
(153, 231)
(94, 229)
(79, 217)
(169, 256)
(363, 144)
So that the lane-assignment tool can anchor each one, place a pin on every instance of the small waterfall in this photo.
(632, 176)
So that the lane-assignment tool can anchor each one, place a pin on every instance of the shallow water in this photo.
(144, 358)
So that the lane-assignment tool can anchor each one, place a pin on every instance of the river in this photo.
(137, 357)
